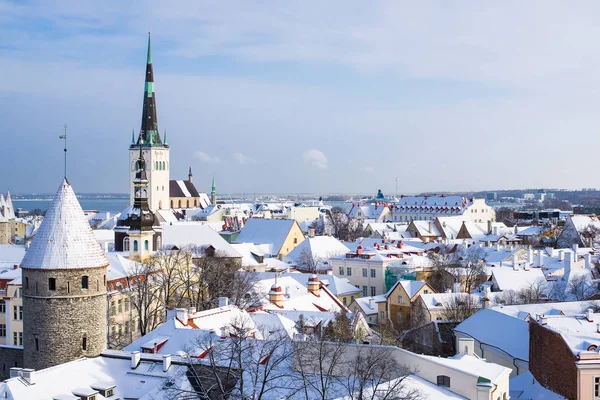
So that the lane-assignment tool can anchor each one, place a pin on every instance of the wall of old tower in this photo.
(9, 357)
(55, 322)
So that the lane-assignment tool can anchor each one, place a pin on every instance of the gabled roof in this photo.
(266, 231)
(184, 234)
(410, 287)
(65, 238)
(316, 249)
(179, 188)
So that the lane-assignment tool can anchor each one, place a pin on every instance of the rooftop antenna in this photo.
(64, 137)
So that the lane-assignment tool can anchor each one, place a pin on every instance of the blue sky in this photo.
(273, 96)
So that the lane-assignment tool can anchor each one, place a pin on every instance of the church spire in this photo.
(149, 130)
(213, 192)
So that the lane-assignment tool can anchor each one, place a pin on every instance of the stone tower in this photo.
(156, 152)
(64, 287)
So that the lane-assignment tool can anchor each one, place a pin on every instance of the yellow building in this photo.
(399, 301)
(283, 235)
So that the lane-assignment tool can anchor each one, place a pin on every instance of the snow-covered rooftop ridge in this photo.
(65, 238)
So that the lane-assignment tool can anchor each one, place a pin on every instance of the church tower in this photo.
(213, 192)
(156, 152)
(64, 287)
(138, 230)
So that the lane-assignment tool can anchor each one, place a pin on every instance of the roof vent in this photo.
(105, 389)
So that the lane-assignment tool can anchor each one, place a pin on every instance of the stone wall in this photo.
(58, 324)
(551, 361)
(9, 357)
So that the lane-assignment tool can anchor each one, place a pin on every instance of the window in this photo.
(344, 301)
(597, 386)
(126, 244)
(381, 314)
(120, 306)
(51, 283)
(2, 330)
(158, 243)
(26, 282)
(295, 240)
(20, 312)
(135, 245)
(126, 305)
(443, 380)
(341, 270)
(126, 328)
(351, 299)
(113, 309)
(146, 245)
(426, 291)
(2, 306)
(84, 282)
(399, 299)
(37, 343)
(15, 312)
(364, 271)
(348, 271)
(373, 291)
(84, 343)
(15, 338)
(373, 273)
(20, 338)
(365, 294)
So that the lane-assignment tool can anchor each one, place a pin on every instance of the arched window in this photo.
(126, 244)
(146, 245)
(158, 243)
(179, 204)
(164, 165)
(443, 380)
(171, 203)
(188, 204)
(135, 245)
(195, 203)
(156, 165)
(84, 282)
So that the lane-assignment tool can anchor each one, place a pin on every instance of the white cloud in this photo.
(206, 158)
(242, 159)
(316, 158)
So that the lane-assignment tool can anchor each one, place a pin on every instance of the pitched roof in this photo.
(178, 188)
(266, 231)
(65, 238)
(183, 234)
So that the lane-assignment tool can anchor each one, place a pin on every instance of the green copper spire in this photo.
(132, 136)
(165, 138)
(213, 192)
(149, 57)
(214, 187)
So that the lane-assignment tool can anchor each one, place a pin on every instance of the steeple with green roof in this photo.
(213, 192)
(149, 131)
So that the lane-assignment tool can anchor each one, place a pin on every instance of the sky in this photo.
(304, 96)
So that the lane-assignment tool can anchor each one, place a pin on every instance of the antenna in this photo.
(64, 137)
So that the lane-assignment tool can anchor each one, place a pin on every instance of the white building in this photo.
(427, 208)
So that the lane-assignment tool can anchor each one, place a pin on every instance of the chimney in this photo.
(166, 362)
(371, 300)
(191, 311)
(15, 372)
(135, 359)
(276, 295)
(543, 320)
(223, 333)
(529, 255)
(465, 346)
(223, 301)
(575, 248)
(561, 255)
(29, 375)
(313, 285)
(489, 226)
(448, 291)
(497, 246)
(495, 230)
(568, 260)
(540, 257)
(16, 266)
(456, 287)
(588, 260)
(328, 231)
(430, 227)
(589, 315)
(359, 250)
(182, 315)
(515, 262)
(311, 233)
(387, 247)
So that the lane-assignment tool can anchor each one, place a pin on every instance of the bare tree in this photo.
(450, 266)
(581, 288)
(143, 286)
(508, 298)
(591, 234)
(250, 363)
(172, 265)
(459, 307)
(534, 292)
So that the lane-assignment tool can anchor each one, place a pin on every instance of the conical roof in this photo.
(65, 239)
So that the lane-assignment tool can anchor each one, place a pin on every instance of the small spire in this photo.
(132, 136)
(149, 57)
(214, 186)
(165, 137)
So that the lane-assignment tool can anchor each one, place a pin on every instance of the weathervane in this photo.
(65, 139)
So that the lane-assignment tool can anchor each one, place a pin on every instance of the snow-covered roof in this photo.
(112, 368)
(525, 387)
(65, 238)
(499, 330)
(508, 279)
(473, 366)
(368, 305)
(316, 249)
(119, 266)
(271, 231)
(410, 287)
(11, 254)
(184, 234)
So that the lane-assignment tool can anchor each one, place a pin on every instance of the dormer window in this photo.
(443, 380)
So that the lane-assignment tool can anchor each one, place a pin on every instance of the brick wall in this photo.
(551, 361)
